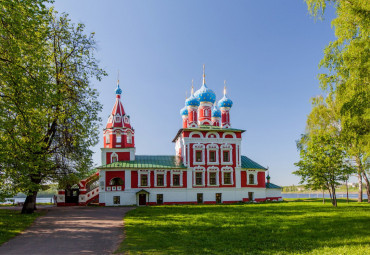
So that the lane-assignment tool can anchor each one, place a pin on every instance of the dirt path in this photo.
(71, 230)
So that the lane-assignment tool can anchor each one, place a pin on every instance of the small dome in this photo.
(118, 90)
(225, 102)
(184, 111)
(216, 112)
(204, 94)
(192, 101)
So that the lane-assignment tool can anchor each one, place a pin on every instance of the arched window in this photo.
(118, 137)
(251, 179)
(114, 158)
(129, 138)
(205, 112)
(107, 138)
(116, 182)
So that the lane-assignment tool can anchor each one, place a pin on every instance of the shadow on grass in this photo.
(247, 229)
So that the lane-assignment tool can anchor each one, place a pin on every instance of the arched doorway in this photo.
(142, 197)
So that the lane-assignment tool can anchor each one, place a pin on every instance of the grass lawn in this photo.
(307, 227)
(13, 222)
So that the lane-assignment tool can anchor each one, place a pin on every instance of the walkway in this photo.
(71, 230)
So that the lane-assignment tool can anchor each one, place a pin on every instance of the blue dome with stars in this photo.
(225, 102)
(184, 111)
(118, 90)
(216, 112)
(192, 101)
(204, 94)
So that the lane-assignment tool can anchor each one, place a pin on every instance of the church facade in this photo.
(207, 166)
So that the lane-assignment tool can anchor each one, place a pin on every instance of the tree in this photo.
(48, 110)
(324, 162)
(347, 62)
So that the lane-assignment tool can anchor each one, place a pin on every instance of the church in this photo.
(207, 167)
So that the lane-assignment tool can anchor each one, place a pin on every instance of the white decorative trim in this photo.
(210, 170)
(113, 155)
(178, 172)
(226, 147)
(228, 133)
(198, 147)
(164, 173)
(205, 122)
(142, 172)
(216, 135)
(254, 173)
(198, 170)
(227, 169)
(196, 133)
(212, 147)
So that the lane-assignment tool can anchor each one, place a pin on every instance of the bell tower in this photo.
(118, 135)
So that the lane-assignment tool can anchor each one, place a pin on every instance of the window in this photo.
(212, 179)
(251, 179)
(199, 178)
(107, 138)
(212, 156)
(218, 198)
(129, 138)
(176, 180)
(206, 112)
(118, 137)
(144, 180)
(114, 158)
(227, 178)
(160, 180)
(159, 199)
(226, 156)
(199, 198)
(116, 200)
(118, 119)
(198, 156)
(116, 182)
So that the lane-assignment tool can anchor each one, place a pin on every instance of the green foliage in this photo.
(48, 109)
(271, 228)
(13, 223)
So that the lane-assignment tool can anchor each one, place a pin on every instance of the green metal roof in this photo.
(250, 164)
(272, 186)
(148, 161)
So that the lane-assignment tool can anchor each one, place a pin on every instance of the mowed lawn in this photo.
(272, 228)
(13, 222)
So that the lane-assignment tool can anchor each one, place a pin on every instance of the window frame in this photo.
(213, 170)
(230, 170)
(227, 147)
(255, 179)
(142, 173)
(198, 147)
(212, 148)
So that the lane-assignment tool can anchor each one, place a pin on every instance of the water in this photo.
(22, 199)
(317, 195)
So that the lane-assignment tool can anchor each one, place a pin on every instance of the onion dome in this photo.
(216, 112)
(204, 94)
(118, 90)
(184, 111)
(225, 102)
(192, 100)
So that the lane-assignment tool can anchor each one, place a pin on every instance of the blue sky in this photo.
(267, 51)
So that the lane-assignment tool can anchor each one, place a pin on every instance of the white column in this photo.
(189, 178)
(102, 185)
(237, 178)
(127, 179)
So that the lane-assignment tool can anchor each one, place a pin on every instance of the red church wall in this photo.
(109, 175)
(243, 178)
(134, 179)
(152, 181)
(261, 179)
(122, 156)
(184, 179)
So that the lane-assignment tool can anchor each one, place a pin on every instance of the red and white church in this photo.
(207, 167)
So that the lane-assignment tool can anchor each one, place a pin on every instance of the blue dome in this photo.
(118, 90)
(184, 111)
(225, 102)
(204, 94)
(216, 112)
(192, 101)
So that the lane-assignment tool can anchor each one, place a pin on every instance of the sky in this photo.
(267, 51)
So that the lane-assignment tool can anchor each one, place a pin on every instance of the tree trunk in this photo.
(347, 189)
(359, 176)
(334, 201)
(323, 196)
(29, 205)
(367, 186)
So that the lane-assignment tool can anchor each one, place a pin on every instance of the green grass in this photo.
(268, 228)
(13, 222)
